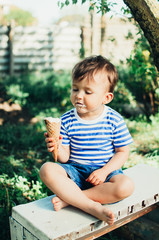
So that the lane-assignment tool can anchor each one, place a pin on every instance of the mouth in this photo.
(80, 105)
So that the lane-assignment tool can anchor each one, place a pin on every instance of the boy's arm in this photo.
(116, 162)
(63, 153)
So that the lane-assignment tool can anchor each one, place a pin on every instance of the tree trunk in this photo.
(146, 13)
(102, 31)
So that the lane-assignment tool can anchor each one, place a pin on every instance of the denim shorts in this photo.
(79, 173)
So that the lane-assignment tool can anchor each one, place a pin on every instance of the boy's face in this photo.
(89, 96)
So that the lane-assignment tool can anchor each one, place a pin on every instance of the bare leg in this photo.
(119, 187)
(56, 179)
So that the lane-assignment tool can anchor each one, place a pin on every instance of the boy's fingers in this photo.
(50, 139)
(50, 144)
(47, 140)
(91, 176)
(89, 179)
(93, 180)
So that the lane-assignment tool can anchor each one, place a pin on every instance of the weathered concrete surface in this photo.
(42, 221)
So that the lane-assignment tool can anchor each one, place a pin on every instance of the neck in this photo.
(91, 115)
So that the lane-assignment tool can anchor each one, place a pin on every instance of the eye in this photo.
(88, 92)
(74, 89)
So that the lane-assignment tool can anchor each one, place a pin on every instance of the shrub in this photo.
(39, 92)
(143, 80)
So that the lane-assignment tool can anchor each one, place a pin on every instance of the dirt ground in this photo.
(13, 113)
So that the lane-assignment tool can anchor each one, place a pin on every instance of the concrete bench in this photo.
(38, 221)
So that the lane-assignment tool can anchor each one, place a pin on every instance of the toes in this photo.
(109, 217)
(110, 221)
(55, 203)
(54, 200)
(57, 208)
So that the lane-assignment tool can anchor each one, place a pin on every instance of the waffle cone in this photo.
(53, 126)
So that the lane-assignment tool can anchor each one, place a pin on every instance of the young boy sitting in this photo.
(93, 146)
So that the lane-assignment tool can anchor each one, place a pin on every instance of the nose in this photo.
(79, 95)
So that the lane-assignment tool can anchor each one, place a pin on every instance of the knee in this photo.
(125, 188)
(45, 170)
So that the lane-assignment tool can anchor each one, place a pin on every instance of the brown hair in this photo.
(93, 64)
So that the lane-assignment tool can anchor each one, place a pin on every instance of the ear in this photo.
(108, 98)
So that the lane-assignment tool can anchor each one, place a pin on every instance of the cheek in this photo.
(90, 102)
(93, 102)
(72, 97)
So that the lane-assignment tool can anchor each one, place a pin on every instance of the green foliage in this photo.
(22, 151)
(126, 11)
(82, 51)
(41, 94)
(145, 148)
(123, 97)
(17, 94)
(143, 79)
(18, 189)
(19, 16)
(102, 6)
(13, 191)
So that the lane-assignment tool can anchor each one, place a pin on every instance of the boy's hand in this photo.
(97, 177)
(50, 142)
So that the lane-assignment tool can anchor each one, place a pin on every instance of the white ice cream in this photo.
(51, 119)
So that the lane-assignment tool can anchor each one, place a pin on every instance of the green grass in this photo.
(22, 152)
(145, 148)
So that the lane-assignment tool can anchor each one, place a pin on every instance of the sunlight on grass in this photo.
(145, 148)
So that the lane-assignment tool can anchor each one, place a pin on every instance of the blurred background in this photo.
(40, 42)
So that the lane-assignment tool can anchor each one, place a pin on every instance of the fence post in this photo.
(10, 43)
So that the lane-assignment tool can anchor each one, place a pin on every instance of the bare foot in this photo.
(96, 209)
(58, 203)
(102, 213)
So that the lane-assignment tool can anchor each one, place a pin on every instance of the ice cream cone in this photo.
(53, 126)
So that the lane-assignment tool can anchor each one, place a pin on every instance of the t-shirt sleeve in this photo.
(122, 135)
(64, 133)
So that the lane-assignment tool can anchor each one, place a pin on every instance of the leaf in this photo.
(67, 2)
(61, 4)
(91, 8)
(74, 1)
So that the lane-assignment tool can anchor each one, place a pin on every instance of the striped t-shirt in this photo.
(93, 142)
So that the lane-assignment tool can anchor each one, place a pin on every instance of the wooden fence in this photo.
(58, 47)
(36, 48)
(4, 49)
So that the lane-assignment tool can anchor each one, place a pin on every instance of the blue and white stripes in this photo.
(93, 142)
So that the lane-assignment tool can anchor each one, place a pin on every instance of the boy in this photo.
(93, 145)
